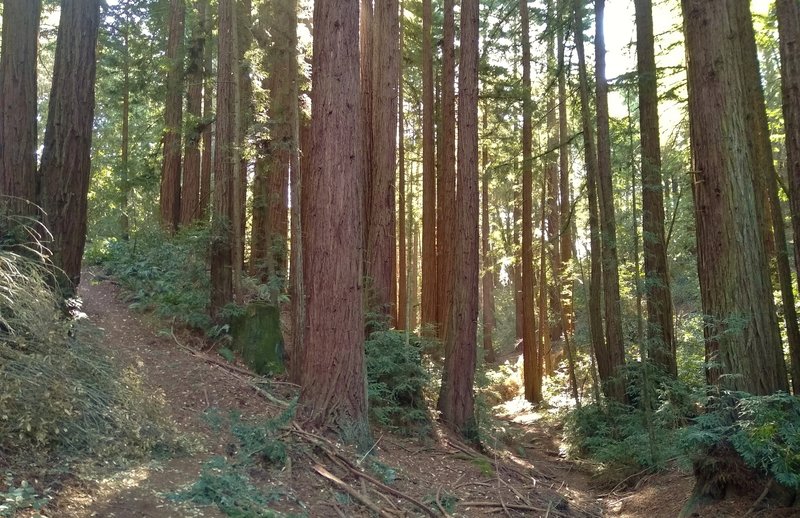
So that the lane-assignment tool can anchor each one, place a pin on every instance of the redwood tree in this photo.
(456, 399)
(18, 181)
(170, 203)
(743, 344)
(333, 378)
(66, 157)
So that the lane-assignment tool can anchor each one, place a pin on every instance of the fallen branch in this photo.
(516, 507)
(320, 469)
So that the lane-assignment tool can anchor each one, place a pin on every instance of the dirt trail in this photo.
(434, 470)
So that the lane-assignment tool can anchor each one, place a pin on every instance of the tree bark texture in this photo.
(66, 158)
(170, 201)
(224, 162)
(206, 158)
(334, 391)
(402, 234)
(615, 346)
(660, 326)
(18, 175)
(456, 399)
(530, 341)
(190, 189)
(429, 306)
(743, 343)
(565, 217)
(789, 33)
(381, 235)
(446, 178)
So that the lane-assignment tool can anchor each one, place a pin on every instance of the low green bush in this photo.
(165, 274)
(396, 378)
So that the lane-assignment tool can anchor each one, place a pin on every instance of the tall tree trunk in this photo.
(565, 217)
(604, 362)
(402, 259)
(789, 32)
(551, 172)
(657, 293)
(488, 264)
(66, 157)
(242, 30)
(125, 183)
(456, 399)
(206, 159)
(544, 345)
(516, 272)
(381, 235)
(18, 178)
(615, 346)
(446, 184)
(190, 190)
(225, 161)
(170, 203)
(531, 356)
(300, 174)
(742, 339)
(429, 307)
(334, 391)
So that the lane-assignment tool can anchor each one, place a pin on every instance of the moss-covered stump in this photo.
(257, 338)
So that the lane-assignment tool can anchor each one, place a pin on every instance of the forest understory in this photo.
(244, 455)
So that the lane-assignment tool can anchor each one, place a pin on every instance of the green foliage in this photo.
(227, 483)
(396, 378)
(764, 431)
(14, 498)
(165, 274)
(61, 399)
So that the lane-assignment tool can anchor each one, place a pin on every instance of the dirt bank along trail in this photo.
(436, 475)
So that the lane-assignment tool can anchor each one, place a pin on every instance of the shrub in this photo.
(395, 381)
(165, 274)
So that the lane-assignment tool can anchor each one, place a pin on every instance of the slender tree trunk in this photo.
(544, 345)
(516, 273)
(66, 157)
(608, 227)
(190, 190)
(565, 218)
(530, 341)
(660, 327)
(429, 279)
(225, 161)
(446, 186)
(551, 172)
(18, 98)
(602, 354)
(125, 184)
(456, 399)
(488, 263)
(402, 258)
(381, 235)
(206, 159)
(741, 329)
(299, 175)
(789, 32)
(170, 203)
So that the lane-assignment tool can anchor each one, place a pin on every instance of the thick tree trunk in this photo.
(742, 339)
(456, 399)
(170, 203)
(381, 235)
(530, 340)
(18, 176)
(224, 162)
(446, 178)
(429, 307)
(190, 190)
(334, 391)
(66, 158)
(660, 326)
(615, 346)
(789, 32)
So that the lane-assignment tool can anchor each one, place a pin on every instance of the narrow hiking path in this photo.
(452, 480)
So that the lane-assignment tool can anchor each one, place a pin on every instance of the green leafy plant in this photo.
(16, 498)
(396, 378)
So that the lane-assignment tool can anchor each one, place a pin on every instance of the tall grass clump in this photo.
(61, 399)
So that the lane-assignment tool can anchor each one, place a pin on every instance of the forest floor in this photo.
(321, 478)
